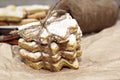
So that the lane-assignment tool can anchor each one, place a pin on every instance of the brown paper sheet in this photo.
(100, 61)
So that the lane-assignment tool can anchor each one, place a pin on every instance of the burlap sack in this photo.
(100, 61)
(92, 15)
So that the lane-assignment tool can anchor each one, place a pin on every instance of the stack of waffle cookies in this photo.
(52, 47)
(19, 15)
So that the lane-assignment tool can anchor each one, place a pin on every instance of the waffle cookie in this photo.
(51, 45)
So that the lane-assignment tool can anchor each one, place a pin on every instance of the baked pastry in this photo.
(37, 56)
(29, 34)
(38, 15)
(51, 45)
(56, 66)
(2, 14)
(26, 21)
(30, 46)
(35, 8)
(20, 15)
(34, 47)
(11, 13)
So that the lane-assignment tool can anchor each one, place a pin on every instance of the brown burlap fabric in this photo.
(92, 15)
(100, 61)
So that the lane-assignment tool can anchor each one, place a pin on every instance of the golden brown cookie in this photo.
(11, 13)
(37, 15)
(57, 40)
(36, 8)
(26, 21)
(30, 46)
(56, 66)
(35, 57)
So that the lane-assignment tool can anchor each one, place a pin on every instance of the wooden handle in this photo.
(12, 39)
